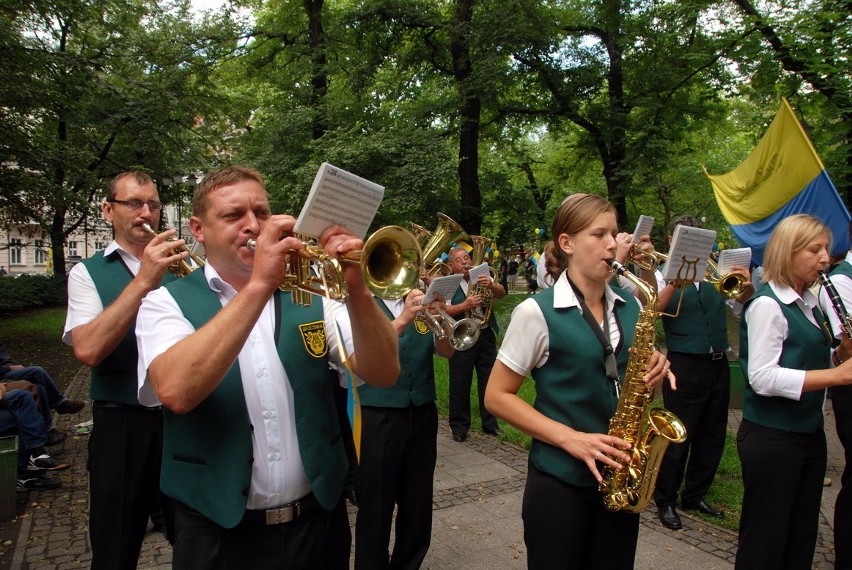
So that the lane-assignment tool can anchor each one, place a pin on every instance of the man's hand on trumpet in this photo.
(160, 253)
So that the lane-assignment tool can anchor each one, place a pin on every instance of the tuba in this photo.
(482, 313)
(390, 265)
(179, 268)
(649, 431)
(437, 242)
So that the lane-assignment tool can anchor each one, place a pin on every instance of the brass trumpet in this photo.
(462, 334)
(730, 286)
(390, 264)
(179, 268)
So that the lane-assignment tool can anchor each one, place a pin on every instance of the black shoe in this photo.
(459, 437)
(495, 432)
(38, 483)
(55, 437)
(70, 407)
(704, 509)
(668, 516)
(44, 462)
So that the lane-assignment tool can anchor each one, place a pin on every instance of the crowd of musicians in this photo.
(216, 392)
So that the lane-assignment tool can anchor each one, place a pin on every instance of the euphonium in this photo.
(482, 313)
(390, 264)
(649, 431)
(447, 232)
(179, 268)
(730, 286)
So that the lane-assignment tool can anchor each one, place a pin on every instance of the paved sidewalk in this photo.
(477, 512)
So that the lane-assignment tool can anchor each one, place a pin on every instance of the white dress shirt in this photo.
(527, 341)
(767, 330)
(278, 475)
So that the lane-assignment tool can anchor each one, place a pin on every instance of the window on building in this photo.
(16, 252)
(40, 252)
(72, 249)
(99, 245)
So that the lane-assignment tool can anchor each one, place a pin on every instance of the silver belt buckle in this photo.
(718, 355)
(282, 515)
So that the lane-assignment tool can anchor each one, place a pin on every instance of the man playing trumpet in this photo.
(252, 451)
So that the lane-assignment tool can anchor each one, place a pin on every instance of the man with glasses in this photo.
(104, 294)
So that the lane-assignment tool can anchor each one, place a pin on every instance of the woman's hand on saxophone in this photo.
(658, 369)
(598, 448)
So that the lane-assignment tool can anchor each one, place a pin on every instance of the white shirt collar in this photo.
(563, 294)
(788, 295)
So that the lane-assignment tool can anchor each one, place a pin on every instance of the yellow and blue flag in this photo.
(782, 176)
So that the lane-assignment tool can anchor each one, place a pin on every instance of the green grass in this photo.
(727, 490)
(44, 323)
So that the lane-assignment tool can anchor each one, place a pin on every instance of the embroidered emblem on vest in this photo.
(314, 339)
(421, 327)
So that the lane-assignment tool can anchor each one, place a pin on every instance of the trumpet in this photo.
(729, 286)
(180, 268)
(462, 334)
(390, 265)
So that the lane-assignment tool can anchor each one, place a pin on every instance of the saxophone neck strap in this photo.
(601, 334)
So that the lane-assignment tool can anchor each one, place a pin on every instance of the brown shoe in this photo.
(70, 407)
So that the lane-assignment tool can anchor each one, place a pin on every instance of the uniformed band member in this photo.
(785, 353)
(252, 455)
(104, 294)
(558, 337)
(479, 358)
(399, 448)
(697, 342)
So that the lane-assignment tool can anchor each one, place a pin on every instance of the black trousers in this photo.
(782, 479)
(125, 453)
(841, 402)
(316, 539)
(479, 357)
(568, 527)
(701, 402)
(397, 468)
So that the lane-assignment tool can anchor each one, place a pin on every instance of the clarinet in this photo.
(837, 303)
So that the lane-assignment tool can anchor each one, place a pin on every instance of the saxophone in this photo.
(649, 431)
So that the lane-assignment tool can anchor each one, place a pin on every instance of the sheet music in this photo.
(688, 254)
(475, 272)
(729, 257)
(446, 286)
(643, 227)
(339, 197)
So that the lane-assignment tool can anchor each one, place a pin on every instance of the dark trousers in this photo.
(316, 539)
(398, 454)
(782, 481)
(125, 453)
(841, 402)
(479, 357)
(568, 527)
(701, 402)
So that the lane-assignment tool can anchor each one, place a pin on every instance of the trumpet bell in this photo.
(390, 262)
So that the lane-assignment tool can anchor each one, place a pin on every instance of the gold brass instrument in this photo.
(180, 268)
(730, 286)
(649, 431)
(462, 334)
(390, 265)
(437, 242)
(481, 314)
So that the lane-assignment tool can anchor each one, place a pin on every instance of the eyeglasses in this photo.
(134, 205)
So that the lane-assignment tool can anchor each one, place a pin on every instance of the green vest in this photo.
(458, 299)
(114, 379)
(843, 268)
(805, 348)
(416, 382)
(572, 387)
(207, 453)
(700, 327)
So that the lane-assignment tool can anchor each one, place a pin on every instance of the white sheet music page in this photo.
(481, 269)
(728, 258)
(688, 254)
(446, 286)
(643, 227)
(339, 197)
